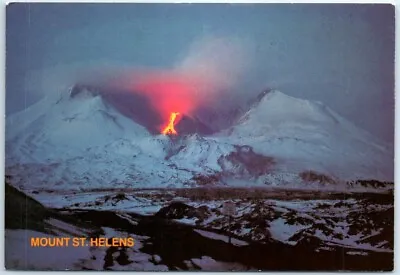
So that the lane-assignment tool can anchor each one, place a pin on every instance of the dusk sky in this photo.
(341, 55)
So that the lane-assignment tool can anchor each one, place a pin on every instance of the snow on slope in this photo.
(70, 123)
(304, 134)
(80, 141)
(77, 141)
(199, 154)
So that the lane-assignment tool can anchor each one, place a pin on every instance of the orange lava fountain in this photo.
(170, 128)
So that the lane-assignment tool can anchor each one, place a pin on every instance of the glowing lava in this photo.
(170, 128)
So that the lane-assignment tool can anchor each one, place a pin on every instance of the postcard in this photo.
(199, 137)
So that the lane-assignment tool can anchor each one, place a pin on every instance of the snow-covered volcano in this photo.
(79, 140)
(66, 125)
(309, 135)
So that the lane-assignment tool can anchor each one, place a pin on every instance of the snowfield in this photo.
(186, 229)
(78, 140)
(305, 182)
(285, 216)
(308, 135)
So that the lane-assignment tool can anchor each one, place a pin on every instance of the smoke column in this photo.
(211, 68)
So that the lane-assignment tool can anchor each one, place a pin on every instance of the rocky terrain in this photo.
(186, 229)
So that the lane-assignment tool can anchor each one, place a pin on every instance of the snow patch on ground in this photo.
(206, 263)
(282, 231)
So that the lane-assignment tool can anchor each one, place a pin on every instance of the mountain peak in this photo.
(78, 91)
(276, 93)
(83, 91)
(310, 134)
(276, 107)
(277, 96)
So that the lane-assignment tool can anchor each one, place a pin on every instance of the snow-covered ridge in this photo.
(82, 140)
(73, 121)
(309, 135)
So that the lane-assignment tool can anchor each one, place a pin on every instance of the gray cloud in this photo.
(342, 55)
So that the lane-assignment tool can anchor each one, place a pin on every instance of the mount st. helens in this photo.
(79, 140)
(99, 168)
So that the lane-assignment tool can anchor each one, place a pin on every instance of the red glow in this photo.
(170, 128)
(170, 92)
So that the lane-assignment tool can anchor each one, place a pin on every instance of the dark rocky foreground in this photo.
(165, 244)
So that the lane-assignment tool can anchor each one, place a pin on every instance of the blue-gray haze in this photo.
(342, 55)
